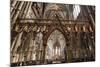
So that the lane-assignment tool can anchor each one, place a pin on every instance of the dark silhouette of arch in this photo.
(47, 36)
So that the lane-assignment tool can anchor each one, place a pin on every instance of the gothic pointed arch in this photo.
(55, 46)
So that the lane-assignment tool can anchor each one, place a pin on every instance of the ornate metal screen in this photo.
(49, 33)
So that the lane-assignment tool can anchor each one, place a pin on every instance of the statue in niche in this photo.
(38, 44)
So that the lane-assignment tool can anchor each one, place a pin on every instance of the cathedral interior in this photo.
(51, 33)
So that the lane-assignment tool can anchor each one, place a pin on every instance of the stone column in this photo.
(44, 51)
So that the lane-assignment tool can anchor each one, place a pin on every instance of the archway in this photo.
(55, 47)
